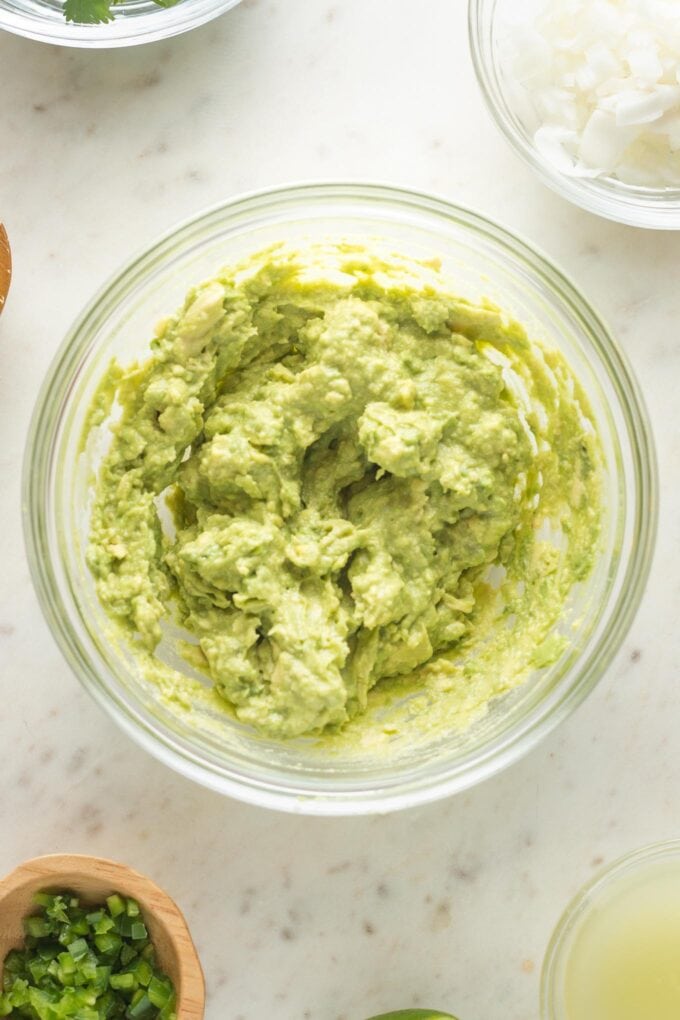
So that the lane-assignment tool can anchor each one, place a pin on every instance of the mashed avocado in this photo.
(332, 471)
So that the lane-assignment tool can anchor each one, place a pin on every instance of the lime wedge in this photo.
(415, 1014)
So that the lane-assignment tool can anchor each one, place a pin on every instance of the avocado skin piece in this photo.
(414, 1014)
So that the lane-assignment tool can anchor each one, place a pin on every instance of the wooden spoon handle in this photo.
(5, 266)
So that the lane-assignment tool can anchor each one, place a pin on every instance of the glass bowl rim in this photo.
(651, 208)
(571, 689)
(124, 30)
(587, 895)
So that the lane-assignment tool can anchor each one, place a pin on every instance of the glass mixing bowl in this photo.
(135, 21)
(338, 777)
(657, 208)
(609, 903)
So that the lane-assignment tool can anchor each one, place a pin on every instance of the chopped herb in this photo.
(97, 12)
(85, 964)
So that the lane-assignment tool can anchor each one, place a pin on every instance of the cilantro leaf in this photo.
(88, 12)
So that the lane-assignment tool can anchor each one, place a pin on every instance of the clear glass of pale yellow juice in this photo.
(615, 954)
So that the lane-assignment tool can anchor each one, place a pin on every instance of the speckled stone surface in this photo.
(297, 918)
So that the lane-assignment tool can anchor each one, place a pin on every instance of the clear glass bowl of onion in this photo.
(588, 94)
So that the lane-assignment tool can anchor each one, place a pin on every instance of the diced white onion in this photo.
(557, 144)
(600, 85)
(603, 143)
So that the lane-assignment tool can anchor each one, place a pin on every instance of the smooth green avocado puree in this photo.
(331, 472)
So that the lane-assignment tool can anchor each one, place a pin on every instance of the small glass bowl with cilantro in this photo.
(85, 963)
(106, 24)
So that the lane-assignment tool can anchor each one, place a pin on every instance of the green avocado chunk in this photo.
(316, 472)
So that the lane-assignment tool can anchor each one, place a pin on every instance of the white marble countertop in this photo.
(298, 918)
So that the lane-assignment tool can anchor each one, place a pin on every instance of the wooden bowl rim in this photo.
(5, 266)
(51, 867)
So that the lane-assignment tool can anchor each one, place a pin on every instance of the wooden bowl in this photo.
(93, 879)
(5, 266)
